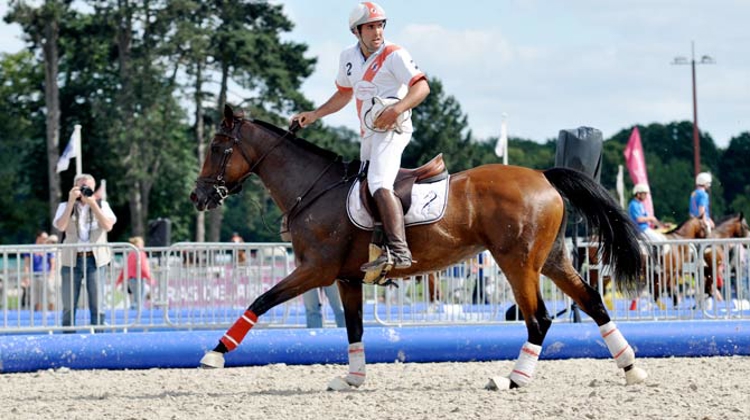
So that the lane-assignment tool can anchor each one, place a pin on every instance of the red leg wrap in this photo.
(238, 331)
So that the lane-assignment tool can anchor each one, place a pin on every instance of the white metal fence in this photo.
(208, 285)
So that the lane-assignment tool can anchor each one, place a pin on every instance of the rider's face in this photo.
(371, 36)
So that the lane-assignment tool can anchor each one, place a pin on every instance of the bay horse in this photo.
(516, 213)
(672, 257)
(732, 226)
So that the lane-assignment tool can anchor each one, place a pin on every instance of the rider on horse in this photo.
(700, 204)
(386, 84)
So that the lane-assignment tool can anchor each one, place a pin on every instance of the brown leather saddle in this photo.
(432, 171)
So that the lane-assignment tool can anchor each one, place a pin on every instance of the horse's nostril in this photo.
(193, 197)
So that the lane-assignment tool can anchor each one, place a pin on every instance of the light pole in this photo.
(696, 134)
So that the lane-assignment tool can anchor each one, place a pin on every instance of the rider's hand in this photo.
(387, 119)
(304, 118)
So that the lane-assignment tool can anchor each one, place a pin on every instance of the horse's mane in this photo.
(725, 218)
(313, 148)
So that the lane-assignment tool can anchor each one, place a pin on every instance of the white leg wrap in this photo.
(356, 376)
(523, 372)
(617, 345)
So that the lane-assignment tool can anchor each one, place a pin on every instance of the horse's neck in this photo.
(289, 171)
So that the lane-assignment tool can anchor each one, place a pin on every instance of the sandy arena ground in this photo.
(691, 388)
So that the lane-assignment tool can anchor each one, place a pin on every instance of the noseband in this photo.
(218, 182)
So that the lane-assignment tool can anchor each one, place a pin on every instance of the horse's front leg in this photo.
(299, 281)
(351, 299)
(538, 323)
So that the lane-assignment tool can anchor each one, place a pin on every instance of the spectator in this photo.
(700, 202)
(85, 222)
(639, 215)
(313, 306)
(481, 268)
(386, 84)
(39, 276)
(241, 255)
(138, 273)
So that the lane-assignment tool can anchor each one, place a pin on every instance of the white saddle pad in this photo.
(428, 204)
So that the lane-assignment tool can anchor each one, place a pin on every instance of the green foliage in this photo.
(22, 150)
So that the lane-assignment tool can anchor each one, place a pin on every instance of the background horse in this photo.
(518, 214)
(733, 226)
(669, 259)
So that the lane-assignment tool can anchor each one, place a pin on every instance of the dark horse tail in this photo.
(618, 236)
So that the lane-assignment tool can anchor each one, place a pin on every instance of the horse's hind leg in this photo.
(563, 274)
(351, 299)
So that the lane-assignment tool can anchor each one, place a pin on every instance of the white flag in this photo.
(69, 153)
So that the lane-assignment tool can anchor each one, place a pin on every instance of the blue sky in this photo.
(550, 65)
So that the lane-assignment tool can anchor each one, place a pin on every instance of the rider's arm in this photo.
(334, 104)
(416, 94)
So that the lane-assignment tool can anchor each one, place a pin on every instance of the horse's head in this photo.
(225, 166)
(737, 226)
(744, 229)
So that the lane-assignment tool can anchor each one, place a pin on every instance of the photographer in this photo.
(85, 221)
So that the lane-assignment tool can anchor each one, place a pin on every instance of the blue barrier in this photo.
(28, 353)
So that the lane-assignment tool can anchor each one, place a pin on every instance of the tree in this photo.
(246, 47)
(439, 127)
(42, 28)
(23, 202)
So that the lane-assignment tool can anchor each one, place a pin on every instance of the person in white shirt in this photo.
(386, 85)
(85, 221)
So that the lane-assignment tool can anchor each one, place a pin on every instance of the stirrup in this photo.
(383, 263)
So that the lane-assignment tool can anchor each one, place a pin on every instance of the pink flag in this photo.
(636, 163)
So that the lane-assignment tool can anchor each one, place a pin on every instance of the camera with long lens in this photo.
(86, 191)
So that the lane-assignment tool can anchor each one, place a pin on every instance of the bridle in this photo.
(218, 182)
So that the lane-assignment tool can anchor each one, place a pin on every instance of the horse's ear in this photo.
(228, 114)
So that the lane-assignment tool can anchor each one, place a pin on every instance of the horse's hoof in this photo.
(338, 384)
(635, 375)
(212, 360)
(498, 383)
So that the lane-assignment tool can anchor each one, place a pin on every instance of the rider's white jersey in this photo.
(388, 73)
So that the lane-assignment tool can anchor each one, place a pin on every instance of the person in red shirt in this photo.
(138, 273)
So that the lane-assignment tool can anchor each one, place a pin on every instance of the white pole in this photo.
(504, 137)
(77, 139)
(620, 186)
(103, 187)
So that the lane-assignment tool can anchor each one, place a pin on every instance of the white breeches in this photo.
(384, 151)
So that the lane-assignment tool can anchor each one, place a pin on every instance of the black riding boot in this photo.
(392, 215)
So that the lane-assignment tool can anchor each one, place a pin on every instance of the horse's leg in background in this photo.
(351, 299)
(298, 282)
(559, 268)
(433, 286)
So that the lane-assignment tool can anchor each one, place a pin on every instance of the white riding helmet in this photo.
(640, 188)
(365, 12)
(703, 179)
